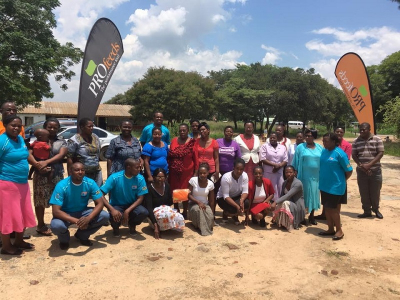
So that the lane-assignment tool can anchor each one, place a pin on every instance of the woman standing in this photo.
(335, 169)
(158, 202)
(293, 147)
(306, 162)
(289, 207)
(15, 198)
(274, 158)
(282, 139)
(84, 147)
(229, 151)
(43, 186)
(194, 124)
(122, 147)
(206, 150)
(181, 162)
(155, 154)
(343, 144)
(201, 201)
(249, 147)
(260, 196)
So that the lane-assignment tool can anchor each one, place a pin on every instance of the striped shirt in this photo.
(367, 150)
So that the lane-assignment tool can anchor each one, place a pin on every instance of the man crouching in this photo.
(69, 202)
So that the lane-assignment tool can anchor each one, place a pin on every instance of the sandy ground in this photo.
(266, 263)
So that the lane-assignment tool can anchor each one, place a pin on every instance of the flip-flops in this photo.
(44, 230)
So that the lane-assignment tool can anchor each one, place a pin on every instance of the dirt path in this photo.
(265, 264)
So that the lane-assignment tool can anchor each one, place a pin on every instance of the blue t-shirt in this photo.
(158, 156)
(13, 159)
(124, 190)
(72, 197)
(333, 165)
(147, 135)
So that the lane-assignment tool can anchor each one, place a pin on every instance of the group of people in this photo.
(241, 175)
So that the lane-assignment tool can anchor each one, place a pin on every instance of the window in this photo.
(100, 133)
(67, 134)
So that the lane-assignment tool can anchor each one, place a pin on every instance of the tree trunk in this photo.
(235, 122)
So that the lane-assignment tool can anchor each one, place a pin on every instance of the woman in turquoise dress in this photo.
(306, 162)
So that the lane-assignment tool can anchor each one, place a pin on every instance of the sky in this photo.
(205, 35)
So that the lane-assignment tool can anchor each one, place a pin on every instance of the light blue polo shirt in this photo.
(333, 165)
(72, 197)
(147, 136)
(123, 190)
(14, 165)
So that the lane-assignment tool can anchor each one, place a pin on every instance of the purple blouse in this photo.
(275, 155)
(228, 152)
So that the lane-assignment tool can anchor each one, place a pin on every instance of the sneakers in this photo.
(378, 214)
(224, 217)
(116, 232)
(64, 246)
(365, 215)
(132, 231)
(236, 220)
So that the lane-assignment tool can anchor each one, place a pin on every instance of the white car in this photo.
(105, 137)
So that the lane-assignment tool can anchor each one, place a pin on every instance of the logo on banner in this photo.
(356, 93)
(101, 73)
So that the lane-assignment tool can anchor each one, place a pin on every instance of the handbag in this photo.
(180, 195)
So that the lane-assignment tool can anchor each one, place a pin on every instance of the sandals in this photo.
(25, 246)
(44, 230)
(17, 252)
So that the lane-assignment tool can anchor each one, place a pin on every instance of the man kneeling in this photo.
(69, 202)
(127, 189)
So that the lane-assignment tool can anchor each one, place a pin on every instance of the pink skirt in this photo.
(15, 207)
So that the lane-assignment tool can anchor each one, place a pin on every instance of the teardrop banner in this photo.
(353, 77)
(103, 51)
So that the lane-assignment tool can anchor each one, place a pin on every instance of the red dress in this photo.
(181, 163)
(206, 154)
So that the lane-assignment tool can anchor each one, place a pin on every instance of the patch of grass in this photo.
(393, 291)
(392, 148)
(337, 254)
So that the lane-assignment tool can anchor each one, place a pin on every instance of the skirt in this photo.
(168, 218)
(283, 216)
(202, 219)
(15, 207)
(256, 208)
(43, 188)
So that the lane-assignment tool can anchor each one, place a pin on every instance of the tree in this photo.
(178, 95)
(398, 1)
(391, 114)
(385, 82)
(29, 53)
(117, 99)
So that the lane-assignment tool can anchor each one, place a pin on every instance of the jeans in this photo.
(370, 189)
(60, 227)
(136, 216)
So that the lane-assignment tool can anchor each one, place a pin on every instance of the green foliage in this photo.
(391, 114)
(117, 99)
(29, 53)
(178, 95)
(385, 82)
(392, 148)
(260, 91)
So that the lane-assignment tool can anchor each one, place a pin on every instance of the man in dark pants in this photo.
(367, 153)
(69, 202)
(127, 189)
